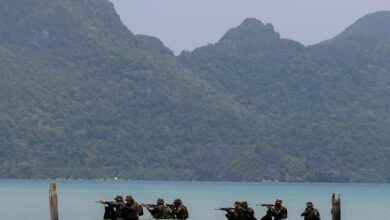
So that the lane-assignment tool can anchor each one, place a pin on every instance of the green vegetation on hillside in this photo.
(329, 100)
(83, 97)
(106, 104)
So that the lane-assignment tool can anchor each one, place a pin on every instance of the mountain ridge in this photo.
(86, 98)
(250, 29)
(372, 26)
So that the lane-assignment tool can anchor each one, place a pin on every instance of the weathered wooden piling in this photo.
(53, 202)
(336, 208)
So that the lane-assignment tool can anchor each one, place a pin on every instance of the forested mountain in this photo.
(83, 97)
(375, 26)
(325, 104)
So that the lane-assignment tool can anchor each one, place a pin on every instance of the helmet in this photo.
(237, 203)
(118, 198)
(177, 201)
(279, 200)
(309, 204)
(129, 198)
(244, 203)
(160, 201)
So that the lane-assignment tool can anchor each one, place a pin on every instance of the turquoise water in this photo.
(28, 199)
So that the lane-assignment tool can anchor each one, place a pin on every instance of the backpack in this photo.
(140, 210)
(185, 215)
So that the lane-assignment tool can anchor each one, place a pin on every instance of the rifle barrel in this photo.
(224, 209)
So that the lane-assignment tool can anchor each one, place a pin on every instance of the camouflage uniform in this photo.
(238, 213)
(231, 214)
(130, 209)
(159, 211)
(180, 210)
(278, 212)
(311, 213)
(113, 209)
(248, 212)
(118, 203)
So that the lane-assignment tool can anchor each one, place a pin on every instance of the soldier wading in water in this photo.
(278, 212)
(178, 210)
(311, 213)
(248, 213)
(131, 210)
(158, 211)
(113, 210)
(235, 213)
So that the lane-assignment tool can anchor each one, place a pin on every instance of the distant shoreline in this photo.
(187, 181)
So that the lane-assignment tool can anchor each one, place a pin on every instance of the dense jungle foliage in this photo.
(83, 97)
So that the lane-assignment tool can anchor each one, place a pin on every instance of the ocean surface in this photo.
(28, 199)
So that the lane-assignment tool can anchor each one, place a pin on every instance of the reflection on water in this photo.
(28, 199)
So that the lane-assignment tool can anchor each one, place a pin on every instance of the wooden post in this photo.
(53, 202)
(336, 208)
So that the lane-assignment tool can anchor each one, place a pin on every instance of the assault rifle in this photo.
(149, 205)
(109, 211)
(110, 203)
(229, 215)
(265, 205)
(225, 209)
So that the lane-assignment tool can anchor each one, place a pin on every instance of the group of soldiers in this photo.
(242, 211)
(169, 211)
(131, 210)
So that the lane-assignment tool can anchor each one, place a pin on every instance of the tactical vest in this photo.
(161, 212)
(182, 212)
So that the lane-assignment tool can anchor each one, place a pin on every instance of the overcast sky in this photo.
(187, 24)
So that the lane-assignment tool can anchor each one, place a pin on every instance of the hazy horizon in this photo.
(188, 24)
